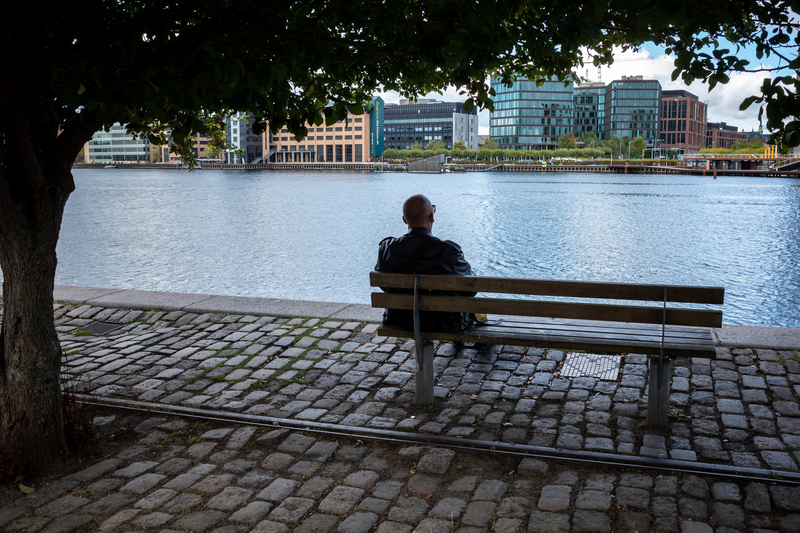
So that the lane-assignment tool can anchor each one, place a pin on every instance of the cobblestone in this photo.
(739, 410)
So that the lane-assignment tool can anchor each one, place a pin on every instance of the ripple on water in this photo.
(315, 235)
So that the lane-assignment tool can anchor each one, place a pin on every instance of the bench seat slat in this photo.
(595, 325)
(539, 287)
(621, 328)
(604, 344)
(598, 334)
(584, 311)
(699, 337)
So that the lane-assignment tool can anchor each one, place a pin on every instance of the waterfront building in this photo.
(240, 136)
(117, 146)
(589, 109)
(429, 120)
(721, 135)
(683, 122)
(531, 115)
(632, 108)
(347, 141)
(165, 155)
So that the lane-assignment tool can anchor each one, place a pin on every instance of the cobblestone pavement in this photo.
(202, 477)
(741, 408)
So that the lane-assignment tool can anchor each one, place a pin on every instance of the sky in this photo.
(651, 62)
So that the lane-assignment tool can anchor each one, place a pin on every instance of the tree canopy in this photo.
(158, 66)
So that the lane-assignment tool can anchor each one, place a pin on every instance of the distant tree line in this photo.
(593, 148)
(753, 146)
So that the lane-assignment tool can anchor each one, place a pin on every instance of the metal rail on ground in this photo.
(598, 458)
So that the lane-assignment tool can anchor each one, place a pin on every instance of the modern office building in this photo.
(589, 104)
(117, 146)
(720, 135)
(632, 108)
(424, 121)
(240, 136)
(530, 115)
(347, 141)
(683, 122)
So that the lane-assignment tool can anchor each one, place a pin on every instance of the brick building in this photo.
(720, 135)
(683, 122)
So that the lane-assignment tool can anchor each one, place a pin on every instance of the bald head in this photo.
(418, 212)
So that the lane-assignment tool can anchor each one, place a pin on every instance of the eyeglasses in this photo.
(433, 209)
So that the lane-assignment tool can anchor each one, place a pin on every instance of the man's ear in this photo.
(404, 220)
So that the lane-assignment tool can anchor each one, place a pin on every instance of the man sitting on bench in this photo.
(419, 252)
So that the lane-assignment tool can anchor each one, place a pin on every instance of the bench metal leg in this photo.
(658, 395)
(424, 377)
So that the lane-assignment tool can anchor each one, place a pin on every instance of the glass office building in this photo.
(424, 121)
(632, 108)
(116, 145)
(589, 104)
(531, 116)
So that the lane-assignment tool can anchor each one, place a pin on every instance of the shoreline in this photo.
(730, 335)
(464, 167)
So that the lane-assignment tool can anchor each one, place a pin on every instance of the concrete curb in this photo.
(209, 303)
(730, 335)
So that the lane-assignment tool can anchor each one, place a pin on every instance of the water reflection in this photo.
(314, 235)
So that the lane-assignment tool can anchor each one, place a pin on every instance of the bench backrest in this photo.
(554, 309)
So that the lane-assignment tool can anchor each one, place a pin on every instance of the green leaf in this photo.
(26, 490)
(600, 9)
(81, 89)
(748, 102)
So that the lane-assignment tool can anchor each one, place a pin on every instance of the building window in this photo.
(348, 153)
(339, 153)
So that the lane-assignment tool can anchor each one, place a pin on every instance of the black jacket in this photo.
(396, 255)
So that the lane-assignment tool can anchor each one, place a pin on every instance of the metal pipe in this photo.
(687, 467)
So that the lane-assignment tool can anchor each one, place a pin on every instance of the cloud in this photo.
(723, 102)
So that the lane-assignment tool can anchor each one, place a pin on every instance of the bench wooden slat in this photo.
(539, 287)
(616, 329)
(594, 325)
(584, 311)
(613, 345)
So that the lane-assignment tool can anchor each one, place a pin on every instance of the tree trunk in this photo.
(30, 390)
(35, 182)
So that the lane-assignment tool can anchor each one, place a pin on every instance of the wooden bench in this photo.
(659, 331)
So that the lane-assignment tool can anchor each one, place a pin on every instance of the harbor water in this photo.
(314, 235)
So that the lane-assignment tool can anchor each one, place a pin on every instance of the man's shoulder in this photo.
(452, 245)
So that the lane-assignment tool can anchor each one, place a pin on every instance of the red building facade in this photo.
(683, 122)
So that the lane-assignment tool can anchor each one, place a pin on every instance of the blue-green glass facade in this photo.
(632, 108)
(376, 142)
(531, 116)
(589, 114)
